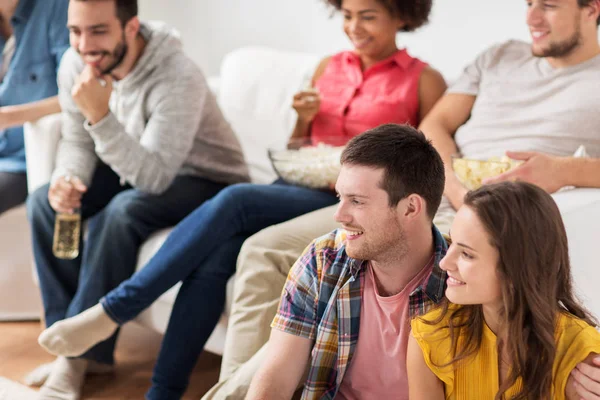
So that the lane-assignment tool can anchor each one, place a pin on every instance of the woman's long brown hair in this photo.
(524, 224)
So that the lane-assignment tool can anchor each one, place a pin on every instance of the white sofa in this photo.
(255, 89)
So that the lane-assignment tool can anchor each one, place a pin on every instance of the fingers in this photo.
(306, 101)
(588, 377)
(63, 204)
(512, 176)
(520, 155)
(307, 96)
(65, 194)
(78, 185)
(106, 81)
(308, 105)
(93, 75)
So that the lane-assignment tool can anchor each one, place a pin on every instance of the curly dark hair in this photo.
(415, 13)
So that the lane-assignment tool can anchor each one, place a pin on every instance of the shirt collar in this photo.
(400, 58)
(436, 283)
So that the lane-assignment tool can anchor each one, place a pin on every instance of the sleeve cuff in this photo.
(101, 125)
(105, 133)
(293, 327)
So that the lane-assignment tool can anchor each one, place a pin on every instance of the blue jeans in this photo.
(202, 252)
(13, 186)
(120, 219)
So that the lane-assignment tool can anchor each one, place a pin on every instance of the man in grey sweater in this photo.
(143, 144)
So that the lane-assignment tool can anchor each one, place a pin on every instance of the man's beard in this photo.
(389, 248)
(561, 49)
(118, 55)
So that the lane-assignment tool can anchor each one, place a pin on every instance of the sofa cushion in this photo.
(256, 88)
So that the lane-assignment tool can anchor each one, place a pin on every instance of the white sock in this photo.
(73, 336)
(38, 376)
(65, 381)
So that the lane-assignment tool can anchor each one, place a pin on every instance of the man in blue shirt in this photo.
(33, 38)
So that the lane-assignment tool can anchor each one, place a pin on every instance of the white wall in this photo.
(458, 30)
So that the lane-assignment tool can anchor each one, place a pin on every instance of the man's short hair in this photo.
(126, 9)
(411, 164)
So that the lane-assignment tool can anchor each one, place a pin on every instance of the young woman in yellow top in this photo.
(511, 327)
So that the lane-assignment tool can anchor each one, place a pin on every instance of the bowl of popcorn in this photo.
(308, 163)
(471, 172)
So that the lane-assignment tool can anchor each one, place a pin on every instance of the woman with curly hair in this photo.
(511, 327)
(375, 82)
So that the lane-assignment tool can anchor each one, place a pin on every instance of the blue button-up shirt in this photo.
(41, 38)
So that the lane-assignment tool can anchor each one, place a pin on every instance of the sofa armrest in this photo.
(580, 210)
(41, 143)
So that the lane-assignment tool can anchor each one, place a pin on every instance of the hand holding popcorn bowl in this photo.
(471, 172)
(309, 163)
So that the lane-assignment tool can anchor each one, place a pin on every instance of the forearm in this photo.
(443, 141)
(301, 130)
(267, 385)
(19, 114)
(150, 164)
(283, 367)
(580, 172)
(75, 154)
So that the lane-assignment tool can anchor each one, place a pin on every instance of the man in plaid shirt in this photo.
(348, 301)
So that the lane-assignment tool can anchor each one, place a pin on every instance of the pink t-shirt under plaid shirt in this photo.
(378, 369)
(321, 301)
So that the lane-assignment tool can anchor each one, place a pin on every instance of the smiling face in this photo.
(371, 28)
(471, 262)
(555, 27)
(97, 34)
(374, 230)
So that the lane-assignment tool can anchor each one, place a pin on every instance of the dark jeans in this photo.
(202, 252)
(13, 190)
(120, 219)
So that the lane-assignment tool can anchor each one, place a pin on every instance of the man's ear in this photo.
(414, 206)
(132, 28)
(594, 9)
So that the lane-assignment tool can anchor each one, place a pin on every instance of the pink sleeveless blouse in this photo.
(353, 101)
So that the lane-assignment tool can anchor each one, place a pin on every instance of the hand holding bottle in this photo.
(65, 194)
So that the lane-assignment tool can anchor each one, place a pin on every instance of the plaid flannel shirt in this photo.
(321, 301)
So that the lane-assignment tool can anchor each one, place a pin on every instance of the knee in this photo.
(233, 196)
(124, 208)
(38, 204)
(260, 248)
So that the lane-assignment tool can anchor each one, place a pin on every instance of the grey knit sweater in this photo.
(164, 122)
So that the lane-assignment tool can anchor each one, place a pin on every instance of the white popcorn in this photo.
(315, 167)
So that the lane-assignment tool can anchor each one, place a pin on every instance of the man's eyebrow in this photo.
(89, 28)
(362, 196)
